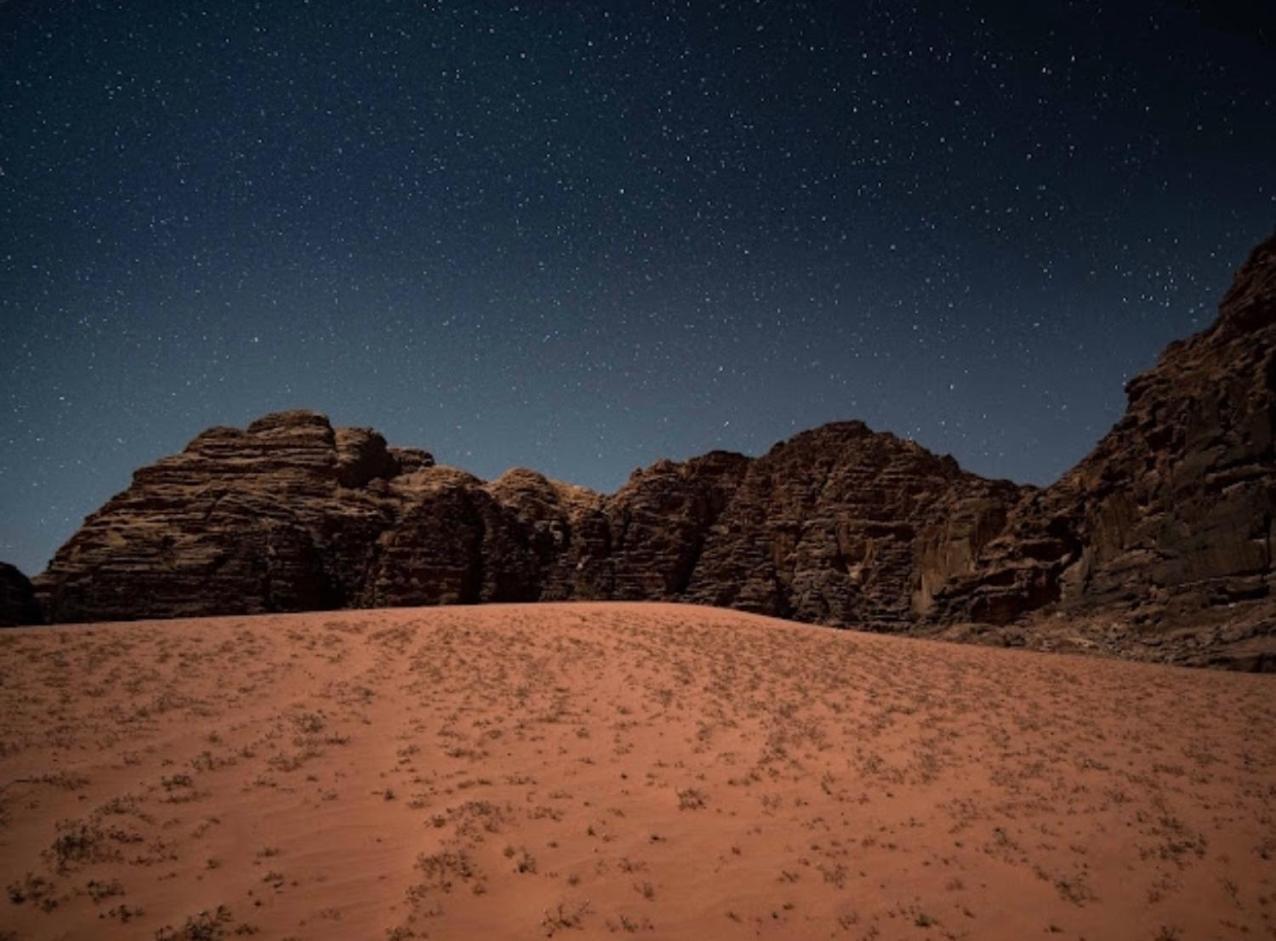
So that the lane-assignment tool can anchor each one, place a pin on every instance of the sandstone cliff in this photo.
(1157, 545)
(292, 514)
(1161, 537)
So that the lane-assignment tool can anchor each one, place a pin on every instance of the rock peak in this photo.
(296, 418)
(1250, 303)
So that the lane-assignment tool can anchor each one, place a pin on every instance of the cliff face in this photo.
(826, 527)
(274, 517)
(1162, 534)
(292, 514)
(1158, 544)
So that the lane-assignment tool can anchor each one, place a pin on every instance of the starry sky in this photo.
(583, 236)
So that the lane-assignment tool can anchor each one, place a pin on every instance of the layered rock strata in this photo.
(1163, 533)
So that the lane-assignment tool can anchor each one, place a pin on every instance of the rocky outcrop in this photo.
(825, 527)
(1158, 544)
(279, 516)
(17, 600)
(292, 514)
(1163, 533)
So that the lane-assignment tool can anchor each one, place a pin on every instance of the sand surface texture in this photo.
(599, 770)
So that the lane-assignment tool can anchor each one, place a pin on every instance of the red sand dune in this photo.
(597, 770)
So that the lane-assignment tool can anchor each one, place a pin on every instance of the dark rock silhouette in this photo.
(17, 600)
(1157, 545)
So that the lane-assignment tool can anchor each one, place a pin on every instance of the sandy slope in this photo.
(608, 769)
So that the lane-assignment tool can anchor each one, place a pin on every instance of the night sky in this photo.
(584, 236)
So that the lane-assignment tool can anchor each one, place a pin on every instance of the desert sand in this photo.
(597, 770)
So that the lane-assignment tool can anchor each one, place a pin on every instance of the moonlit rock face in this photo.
(291, 514)
(1166, 524)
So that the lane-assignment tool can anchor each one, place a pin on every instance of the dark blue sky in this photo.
(583, 236)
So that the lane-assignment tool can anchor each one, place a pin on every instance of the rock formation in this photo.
(1162, 535)
(825, 527)
(292, 514)
(17, 600)
(1157, 545)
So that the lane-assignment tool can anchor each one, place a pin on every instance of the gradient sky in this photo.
(583, 236)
